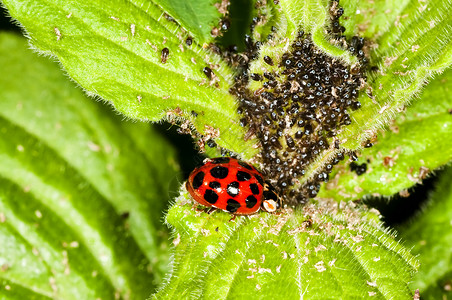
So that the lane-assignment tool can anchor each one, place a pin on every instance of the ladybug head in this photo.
(272, 202)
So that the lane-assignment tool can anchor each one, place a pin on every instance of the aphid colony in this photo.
(295, 113)
(299, 108)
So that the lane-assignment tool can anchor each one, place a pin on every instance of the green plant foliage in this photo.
(318, 250)
(240, 14)
(431, 238)
(81, 191)
(114, 50)
(413, 145)
(312, 17)
(412, 42)
(407, 53)
(197, 17)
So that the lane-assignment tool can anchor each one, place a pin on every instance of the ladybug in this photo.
(233, 186)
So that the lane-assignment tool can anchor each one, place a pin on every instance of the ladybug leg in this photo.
(196, 207)
(233, 218)
(211, 210)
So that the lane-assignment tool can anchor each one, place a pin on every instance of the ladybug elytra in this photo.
(232, 185)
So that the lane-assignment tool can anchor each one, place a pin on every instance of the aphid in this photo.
(165, 53)
(233, 186)
(225, 24)
(368, 144)
(248, 41)
(211, 143)
(256, 77)
(358, 169)
(268, 60)
(208, 72)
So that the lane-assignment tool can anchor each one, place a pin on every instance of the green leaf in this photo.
(415, 144)
(311, 16)
(81, 191)
(319, 251)
(240, 14)
(409, 52)
(197, 16)
(430, 237)
(411, 46)
(114, 50)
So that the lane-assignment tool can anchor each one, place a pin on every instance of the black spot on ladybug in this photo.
(214, 185)
(245, 165)
(219, 172)
(197, 180)
(250, 201)
(243, 176)
(254, 188)
(165, 53)
(260, 179)
(220, 160)
(210, 196)
(233, 189)
(232, 205)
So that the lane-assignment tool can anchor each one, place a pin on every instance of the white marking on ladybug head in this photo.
(270, 205)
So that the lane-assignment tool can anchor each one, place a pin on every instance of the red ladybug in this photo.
(233, 186)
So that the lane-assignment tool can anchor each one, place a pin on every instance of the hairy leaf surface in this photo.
(431, 238)
(115, 50)
(318, 251)
(81, 191)
(413, 145)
